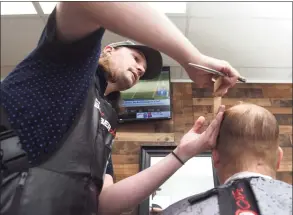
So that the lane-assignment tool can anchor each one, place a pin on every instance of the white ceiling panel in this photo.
(110, 37)
(176, 72)
(244, 42)
(256, 75)
(5, 70)
(267, 75)
(255, 37)
(165, 7)
(263, 57)
(12, 8)
(169, 7)
(180, 23)
(19, 37)
(48, 7)
(184, 75)
(241, 9)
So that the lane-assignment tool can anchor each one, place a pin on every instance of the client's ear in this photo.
(280, 157)
(216, 158)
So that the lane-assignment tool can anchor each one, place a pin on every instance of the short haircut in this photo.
(248, 134)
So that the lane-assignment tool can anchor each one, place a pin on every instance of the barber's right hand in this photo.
(194, 141)
(204, 79)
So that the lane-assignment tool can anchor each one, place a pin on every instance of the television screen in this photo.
(148, 99)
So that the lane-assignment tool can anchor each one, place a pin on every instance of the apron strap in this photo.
(15, 204)
(12, 159)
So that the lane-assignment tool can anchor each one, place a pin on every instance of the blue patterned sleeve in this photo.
(51, 47)
(46, 91)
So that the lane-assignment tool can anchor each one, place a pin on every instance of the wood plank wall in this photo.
(190, 102)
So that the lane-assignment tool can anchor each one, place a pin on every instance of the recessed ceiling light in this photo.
(48, 7)
(169, 7)
(17, 8)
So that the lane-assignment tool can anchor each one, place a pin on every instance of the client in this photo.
(246, 157)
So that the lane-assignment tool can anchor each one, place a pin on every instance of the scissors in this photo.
(215, 72)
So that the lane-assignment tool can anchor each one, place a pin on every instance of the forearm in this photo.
(140, 22)
(131, 191)
(108, 181)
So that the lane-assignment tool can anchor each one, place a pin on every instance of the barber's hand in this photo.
(204, 79)
(195, 141)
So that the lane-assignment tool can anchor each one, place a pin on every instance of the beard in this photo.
(120, 80)
(104, 62)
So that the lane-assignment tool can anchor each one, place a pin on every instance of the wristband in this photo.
(173, 153)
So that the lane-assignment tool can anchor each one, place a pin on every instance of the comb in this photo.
(215, 72)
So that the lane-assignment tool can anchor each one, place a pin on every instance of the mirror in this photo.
(196, 176)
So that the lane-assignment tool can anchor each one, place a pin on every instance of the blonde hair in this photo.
(248, 134)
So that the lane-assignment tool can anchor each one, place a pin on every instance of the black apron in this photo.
(70, 181)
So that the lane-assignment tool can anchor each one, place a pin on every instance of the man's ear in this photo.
(216, 158)
(280, 157)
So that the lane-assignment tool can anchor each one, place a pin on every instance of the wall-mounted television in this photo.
(148, 99)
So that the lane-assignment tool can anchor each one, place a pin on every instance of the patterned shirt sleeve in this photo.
(45, 93)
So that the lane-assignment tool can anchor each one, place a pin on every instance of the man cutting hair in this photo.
(57, 113)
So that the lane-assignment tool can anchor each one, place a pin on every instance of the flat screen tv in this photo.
(148, 99)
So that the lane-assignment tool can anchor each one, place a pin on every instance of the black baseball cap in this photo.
(153, 58)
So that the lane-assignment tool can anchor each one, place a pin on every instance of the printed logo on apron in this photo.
(104, 121)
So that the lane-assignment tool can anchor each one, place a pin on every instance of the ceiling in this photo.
(255, 37)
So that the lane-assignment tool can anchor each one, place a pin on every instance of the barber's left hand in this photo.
(195, 141)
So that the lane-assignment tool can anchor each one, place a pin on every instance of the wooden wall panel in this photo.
(285, 176)
(190, 102)
(286, 163)
(285, 140)
(233, 101)
(162, 126)
(281, 102)
(142, 137)
(182, 109)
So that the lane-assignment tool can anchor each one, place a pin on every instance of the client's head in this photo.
(247, 141)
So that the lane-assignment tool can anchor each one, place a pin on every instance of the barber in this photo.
(58, 100)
